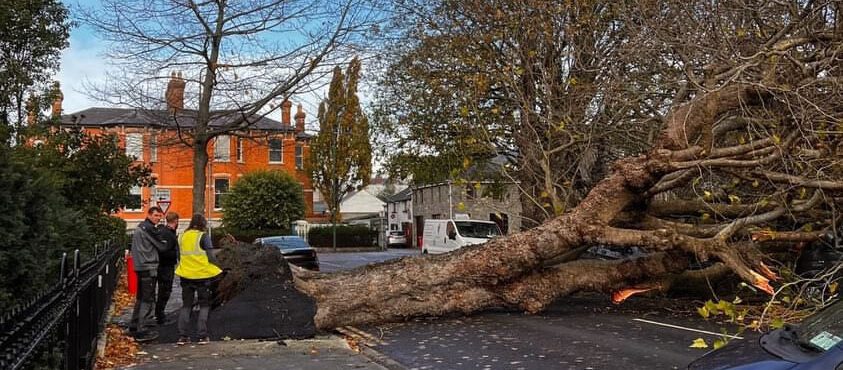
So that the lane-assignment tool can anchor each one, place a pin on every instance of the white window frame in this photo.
(134, 145)
(136, 190)
(299, 156)
(279, 150)
(218, 194)
(240, 143)
(222, 148)
(153, 148)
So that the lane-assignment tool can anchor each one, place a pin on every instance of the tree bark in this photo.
(200, 178)
(510, 271)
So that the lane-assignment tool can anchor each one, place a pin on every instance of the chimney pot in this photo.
(300, 119)
(57, 100)
(175, 92)
(285, 112)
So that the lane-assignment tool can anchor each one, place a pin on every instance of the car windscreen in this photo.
(470, 229)
(287, 243)
(824, 329)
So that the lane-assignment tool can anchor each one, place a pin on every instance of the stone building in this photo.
(478, 200)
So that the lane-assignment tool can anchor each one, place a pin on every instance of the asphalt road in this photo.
(582, 332)
(329, 262)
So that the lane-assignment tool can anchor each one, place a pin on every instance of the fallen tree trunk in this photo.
(736, 149)
(508, 270)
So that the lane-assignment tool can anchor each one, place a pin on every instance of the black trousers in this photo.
(144, 301)
(165, 288)
(195, 291)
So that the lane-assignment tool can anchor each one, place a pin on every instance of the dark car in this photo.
(813, 344)
(295, 250)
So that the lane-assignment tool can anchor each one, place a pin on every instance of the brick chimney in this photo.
(32, 110)
(300, 119)
(59, 97)
(285, 112)
(175, 92)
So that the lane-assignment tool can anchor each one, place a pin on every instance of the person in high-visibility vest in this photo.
(197, 270)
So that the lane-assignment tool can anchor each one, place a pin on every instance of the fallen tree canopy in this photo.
(749, 157)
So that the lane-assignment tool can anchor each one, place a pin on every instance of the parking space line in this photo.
(688, 329)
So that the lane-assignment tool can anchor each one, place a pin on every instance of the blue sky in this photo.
(80, 62)
(84, 63)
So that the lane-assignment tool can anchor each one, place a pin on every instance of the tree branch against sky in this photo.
(242, 57)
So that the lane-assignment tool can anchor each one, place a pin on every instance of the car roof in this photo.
(283, 237)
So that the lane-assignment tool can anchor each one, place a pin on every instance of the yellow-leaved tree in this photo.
(341, 154)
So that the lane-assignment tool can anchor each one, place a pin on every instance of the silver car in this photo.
(396, 238)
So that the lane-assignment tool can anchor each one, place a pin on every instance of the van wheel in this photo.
(424, 251)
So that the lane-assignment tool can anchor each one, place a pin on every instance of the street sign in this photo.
(165, 205)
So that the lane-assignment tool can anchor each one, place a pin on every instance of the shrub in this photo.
(246, 236)
(263, 200)
(347, 236)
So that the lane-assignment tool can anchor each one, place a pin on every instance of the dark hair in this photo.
(198, 222)
(172, 217)
(154, 209)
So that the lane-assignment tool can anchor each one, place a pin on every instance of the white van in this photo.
(441, 236)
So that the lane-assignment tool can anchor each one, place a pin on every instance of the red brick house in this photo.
(153, 137)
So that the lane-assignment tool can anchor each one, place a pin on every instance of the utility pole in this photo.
(335, 184)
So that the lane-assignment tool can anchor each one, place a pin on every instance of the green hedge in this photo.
(348, 236)
(319, 237)
(246, 236)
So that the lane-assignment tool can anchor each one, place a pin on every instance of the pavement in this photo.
(326, 351)
(320, 353)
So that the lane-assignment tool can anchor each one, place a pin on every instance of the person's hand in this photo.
(153, 273)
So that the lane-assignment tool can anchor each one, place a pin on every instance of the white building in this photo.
(399, 212)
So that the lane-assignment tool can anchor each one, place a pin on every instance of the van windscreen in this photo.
(469, 229)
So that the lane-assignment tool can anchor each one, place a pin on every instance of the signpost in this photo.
(165, 205)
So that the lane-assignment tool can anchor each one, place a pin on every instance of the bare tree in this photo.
(748, 157)
(244, 56)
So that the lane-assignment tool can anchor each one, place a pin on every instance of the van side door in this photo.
(451, 231)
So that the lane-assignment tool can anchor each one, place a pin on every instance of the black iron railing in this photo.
(59, 328)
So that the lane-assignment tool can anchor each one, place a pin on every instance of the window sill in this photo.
(270, 162)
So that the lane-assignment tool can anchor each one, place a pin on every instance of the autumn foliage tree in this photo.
(746, 102)
(341, 154)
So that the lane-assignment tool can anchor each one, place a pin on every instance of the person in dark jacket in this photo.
(146, 242)
(167, 260)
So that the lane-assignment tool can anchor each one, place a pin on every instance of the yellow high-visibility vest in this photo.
(193, 262)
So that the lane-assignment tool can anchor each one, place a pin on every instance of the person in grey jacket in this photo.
(146, 242)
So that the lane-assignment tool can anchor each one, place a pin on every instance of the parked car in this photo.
(294, 249)
(396, 238)
(813, 344)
